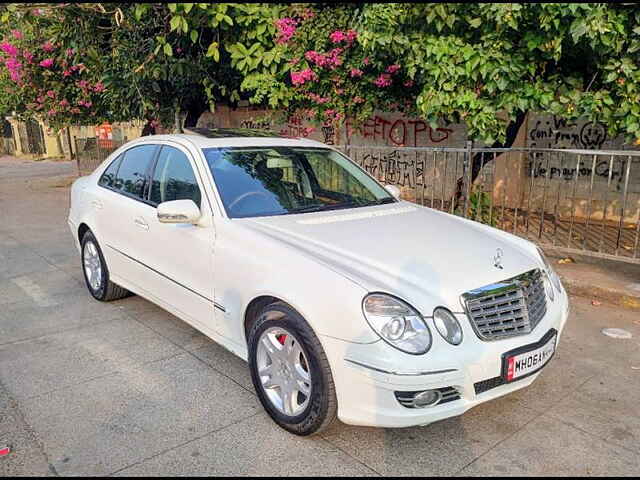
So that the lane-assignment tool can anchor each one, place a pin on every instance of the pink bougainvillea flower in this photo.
(17, 34)
(15, 68)
(48, 47)
(315, 57)
(408, 83)
(28, 56)
(9, 49)
(317, 98)
(337, 36)
(365, 61)
(351, 36)
(51, 94)
(69, 52)
(46, 63)
(64, 102)
(334, 59)
(356, 72)
(66, 73)
(299, 78)
(83, 84)
(99, 87)
(393, 68)
(51, 112)
(384, 80)
(286, 29)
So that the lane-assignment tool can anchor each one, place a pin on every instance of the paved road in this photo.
(126, 388)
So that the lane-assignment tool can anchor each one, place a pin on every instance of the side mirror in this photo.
(393, 190)
(178, 211)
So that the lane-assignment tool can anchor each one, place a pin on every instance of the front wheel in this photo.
(96, 273)
(290, 371)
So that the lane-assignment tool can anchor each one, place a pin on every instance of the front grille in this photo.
(509, 308)
(448, 394)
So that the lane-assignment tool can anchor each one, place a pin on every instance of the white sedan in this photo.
(345, 301)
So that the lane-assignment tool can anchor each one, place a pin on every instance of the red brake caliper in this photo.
(281, 338)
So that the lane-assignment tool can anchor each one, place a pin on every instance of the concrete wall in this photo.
(56, 145)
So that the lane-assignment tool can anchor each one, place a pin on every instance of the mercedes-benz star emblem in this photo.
(497, 259)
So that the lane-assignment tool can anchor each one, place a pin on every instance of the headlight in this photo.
(397, 323)
(551, 273)
(447, 325)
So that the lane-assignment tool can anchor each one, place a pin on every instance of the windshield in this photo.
(261, 181)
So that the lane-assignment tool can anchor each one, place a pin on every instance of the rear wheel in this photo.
(96, 273)
(290, 371)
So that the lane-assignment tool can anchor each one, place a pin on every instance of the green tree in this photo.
(149, 60)
(486, 65)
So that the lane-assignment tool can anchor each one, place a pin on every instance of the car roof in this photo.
(234, 137)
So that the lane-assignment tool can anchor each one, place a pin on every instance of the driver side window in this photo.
(173, 178)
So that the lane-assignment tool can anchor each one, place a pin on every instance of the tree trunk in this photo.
(178, 122)
(479, 160)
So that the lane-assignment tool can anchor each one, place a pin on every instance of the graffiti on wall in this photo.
(549, 131)
(294, 127)
(603, 169)
(255, 124)
(400, 131)
(554, 132)
(394, 167)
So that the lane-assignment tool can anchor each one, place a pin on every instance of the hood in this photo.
(424, 256)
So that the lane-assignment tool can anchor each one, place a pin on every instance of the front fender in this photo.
(249, 264)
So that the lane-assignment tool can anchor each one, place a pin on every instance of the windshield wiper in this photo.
(384, 200)
(321, 208)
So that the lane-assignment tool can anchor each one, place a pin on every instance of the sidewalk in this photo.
(610, 281)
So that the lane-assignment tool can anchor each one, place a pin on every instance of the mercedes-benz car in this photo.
(345, 301)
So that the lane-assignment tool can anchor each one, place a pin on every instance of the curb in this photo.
(610, 295)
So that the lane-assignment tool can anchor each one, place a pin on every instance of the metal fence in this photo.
(91, 152)
(572, 201)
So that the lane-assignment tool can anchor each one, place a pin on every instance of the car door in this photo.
(180, 255)
(120, 206)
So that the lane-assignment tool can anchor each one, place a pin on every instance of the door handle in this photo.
(141, 223)
(96, 204)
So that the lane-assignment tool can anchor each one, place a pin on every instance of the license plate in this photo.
(529, 359)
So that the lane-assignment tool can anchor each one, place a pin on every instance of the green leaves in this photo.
(179, 23)
(578, 29)
(214, 51)
(467, 62)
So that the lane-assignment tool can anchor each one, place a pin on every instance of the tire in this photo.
(321, 404)
(106, 290)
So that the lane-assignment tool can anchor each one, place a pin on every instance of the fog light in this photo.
(426, 398)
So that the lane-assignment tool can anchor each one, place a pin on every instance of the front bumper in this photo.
(367, 375)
